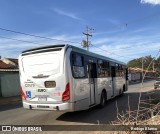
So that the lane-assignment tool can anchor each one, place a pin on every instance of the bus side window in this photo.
(78, 66)
(119, 70)
(103, 68)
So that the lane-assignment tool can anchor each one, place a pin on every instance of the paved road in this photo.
(16, 115)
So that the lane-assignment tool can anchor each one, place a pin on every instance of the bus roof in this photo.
(96, 55)
(76, 49)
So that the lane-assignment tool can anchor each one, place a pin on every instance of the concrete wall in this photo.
(134, 76)
(9, 84)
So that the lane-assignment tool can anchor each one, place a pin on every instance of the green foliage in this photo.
(146, 61)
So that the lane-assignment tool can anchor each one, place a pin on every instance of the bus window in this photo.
(103, 68)
(78, 66)
(119, 70)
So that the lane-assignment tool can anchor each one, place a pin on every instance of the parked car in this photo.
(157, 83)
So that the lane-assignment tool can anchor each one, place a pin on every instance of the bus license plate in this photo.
(42, 99)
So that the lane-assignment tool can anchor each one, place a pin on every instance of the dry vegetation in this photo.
(148, 113)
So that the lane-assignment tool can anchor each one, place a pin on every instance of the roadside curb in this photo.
(139, 81)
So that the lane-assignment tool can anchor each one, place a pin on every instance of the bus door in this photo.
(92, 81)
(113, 75)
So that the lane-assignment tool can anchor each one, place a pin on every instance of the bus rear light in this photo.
(22, 94)
(66, 93)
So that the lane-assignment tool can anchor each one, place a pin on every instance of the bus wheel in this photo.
(103, 100)
(120, 92)
(124, 88)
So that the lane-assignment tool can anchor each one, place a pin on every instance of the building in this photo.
(135, 74)
(9, 77)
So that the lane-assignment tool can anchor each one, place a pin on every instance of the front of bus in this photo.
(44, 84)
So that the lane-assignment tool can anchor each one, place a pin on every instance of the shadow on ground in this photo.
(5, 107)
(105, 115)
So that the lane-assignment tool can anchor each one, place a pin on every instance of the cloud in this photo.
(12, 48)
(125, 48)
(67, 14)
(153, 2)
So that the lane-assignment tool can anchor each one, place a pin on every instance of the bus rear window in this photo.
(43, 63)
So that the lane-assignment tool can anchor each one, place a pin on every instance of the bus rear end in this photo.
(44, 84)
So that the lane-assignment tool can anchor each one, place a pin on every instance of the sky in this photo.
(121, 29)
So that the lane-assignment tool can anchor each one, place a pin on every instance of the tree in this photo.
(146, 61)
(138, 62)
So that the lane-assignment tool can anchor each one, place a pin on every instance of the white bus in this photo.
(64, 77)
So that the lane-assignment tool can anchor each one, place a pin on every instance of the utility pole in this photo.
(86, 44)
(142, 68)
(153, 66)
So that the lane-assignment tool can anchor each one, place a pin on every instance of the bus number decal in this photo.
(29, 85)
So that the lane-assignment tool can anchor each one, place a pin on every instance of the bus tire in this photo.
(124, 88)
(102, 100)
(120, 92)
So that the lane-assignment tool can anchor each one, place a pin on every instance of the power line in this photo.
(20, 40)
(43, 38)
(87, 43)
(109, 52)
(8, 30)
(126, 24)
(112, 53)
(43, 44)
(49, 39)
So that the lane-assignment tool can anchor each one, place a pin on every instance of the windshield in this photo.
(42, 63)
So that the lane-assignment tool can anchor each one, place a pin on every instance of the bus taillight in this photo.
(22, 94)
(66, 93)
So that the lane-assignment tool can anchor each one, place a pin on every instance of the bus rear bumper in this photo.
(59, 107)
